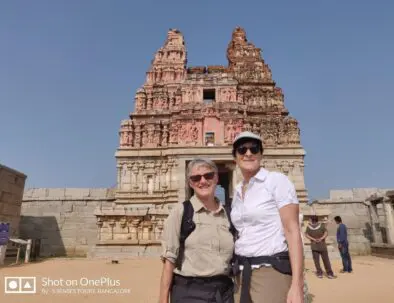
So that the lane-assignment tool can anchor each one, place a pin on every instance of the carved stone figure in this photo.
(144, 138)
(194, 131)
(164, 141)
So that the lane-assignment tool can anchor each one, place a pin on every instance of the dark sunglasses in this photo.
(254, 149)
(207, 176)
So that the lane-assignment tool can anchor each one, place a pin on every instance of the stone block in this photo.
(39, 193)
(337, 194)
(107, 249)
(83, 209)
(80, 203)
(67, 207)
(358, 239)
(66, 215)
(152, 251)
(10, 209)
(90, 227)
(51, 212)
(70, 225)
(13, 189)
(100, 193)
(111, 193)
(7, 197)
(57, 193)
(132, 248)
(74, 222)
(91, 237)
(360, 209)
(45, 250)
(76, 193)
(51, 237)
(70, 251)
(82, 240)
(355, 222)
(363, 193)
(28, 193)
(81, 250)
(69, 241)
(105, 204)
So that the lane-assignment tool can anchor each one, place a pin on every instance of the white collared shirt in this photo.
(257, 218)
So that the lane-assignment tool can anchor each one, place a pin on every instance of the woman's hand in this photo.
(166, 280)
(295, 294)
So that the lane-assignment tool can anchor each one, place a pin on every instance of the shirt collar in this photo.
(198, 205)
(260, 176)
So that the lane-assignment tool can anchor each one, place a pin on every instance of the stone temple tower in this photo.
(183, 112)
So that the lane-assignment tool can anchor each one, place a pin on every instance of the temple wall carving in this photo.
(133, 227)
(147, 176)
(163, 133)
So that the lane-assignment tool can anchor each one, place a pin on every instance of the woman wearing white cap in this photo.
(265, 213)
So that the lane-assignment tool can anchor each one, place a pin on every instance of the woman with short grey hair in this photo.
(197, 243)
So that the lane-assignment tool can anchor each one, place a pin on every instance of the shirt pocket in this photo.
(226, 240)
(205, 236)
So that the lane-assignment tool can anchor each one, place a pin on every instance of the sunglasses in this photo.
(207, 176)
(254, 149)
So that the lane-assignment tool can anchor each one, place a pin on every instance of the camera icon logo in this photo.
(20, 285)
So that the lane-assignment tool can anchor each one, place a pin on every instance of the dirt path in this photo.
(371, 282)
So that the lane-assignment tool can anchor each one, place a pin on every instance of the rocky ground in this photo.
(137, 281)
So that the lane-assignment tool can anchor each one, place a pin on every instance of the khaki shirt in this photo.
(317, 231)
(208, 249)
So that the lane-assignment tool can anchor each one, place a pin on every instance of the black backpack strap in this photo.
(187, 227)
(233, 262)
(233, 231)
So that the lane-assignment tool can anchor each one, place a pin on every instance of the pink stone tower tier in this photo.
(182, 112)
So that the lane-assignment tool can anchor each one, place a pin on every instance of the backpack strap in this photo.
(187, 227)
(233, 231)
(233, 261)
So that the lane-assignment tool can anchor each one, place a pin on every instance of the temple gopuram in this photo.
(183, 112)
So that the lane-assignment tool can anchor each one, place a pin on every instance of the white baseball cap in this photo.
(247, 134)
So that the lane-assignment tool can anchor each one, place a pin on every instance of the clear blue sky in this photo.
(69, 71)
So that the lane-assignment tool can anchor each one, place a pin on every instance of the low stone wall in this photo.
(383, 250)
(350, 205)
(12, 184)
(63, 219)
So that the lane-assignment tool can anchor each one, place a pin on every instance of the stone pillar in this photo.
(182, 181)
(157, 177)
(231, 185)
(134, 176)
(119, 172)
(140, 177)
(374, 218)
(388, 212)
(163, 177)
(130, 175)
